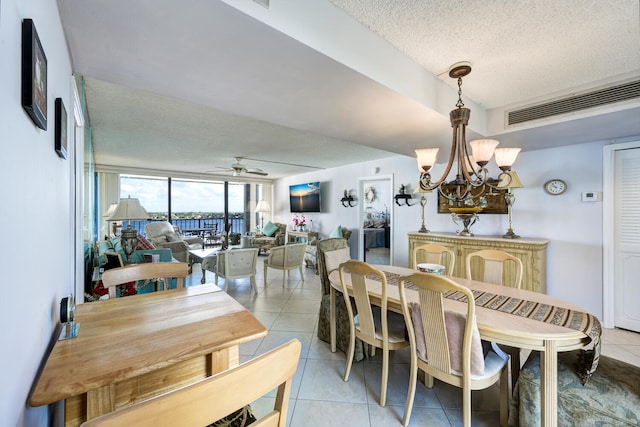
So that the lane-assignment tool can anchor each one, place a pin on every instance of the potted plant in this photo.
(234, 238)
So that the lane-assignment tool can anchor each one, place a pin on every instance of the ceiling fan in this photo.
(238, 169)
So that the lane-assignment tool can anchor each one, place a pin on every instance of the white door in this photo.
(627, 239)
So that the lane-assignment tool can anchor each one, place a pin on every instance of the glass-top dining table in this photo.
(496, 326)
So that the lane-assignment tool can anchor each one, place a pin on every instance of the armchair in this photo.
(311, 251)
(236, 264)
(264, 243)
(285, 258)
(163, 235)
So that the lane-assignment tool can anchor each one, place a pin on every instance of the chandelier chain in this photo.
(459, 104)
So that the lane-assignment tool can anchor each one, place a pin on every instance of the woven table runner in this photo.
(572, 319)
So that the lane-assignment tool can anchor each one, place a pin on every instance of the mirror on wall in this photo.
(375, 217)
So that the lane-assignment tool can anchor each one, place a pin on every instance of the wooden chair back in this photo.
(437, 362)
(213, 398)
(433, 254)
(358, 271)
(134, 272)
(492, 269)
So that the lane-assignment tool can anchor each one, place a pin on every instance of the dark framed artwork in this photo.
(61, 129)
(34, 75)
(496, 202)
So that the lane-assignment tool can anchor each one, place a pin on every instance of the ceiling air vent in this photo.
(596, 98)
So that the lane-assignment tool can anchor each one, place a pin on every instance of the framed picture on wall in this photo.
(61, 129)
(34, 75)
(496, 202)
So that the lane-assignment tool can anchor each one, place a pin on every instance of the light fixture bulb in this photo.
(483, 150)
(426, 158)
(506, 157)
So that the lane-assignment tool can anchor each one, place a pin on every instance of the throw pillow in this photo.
(143, 243)
(269, 229)
(337, 232)
(333, 259)
(173, 237)
(455, 323)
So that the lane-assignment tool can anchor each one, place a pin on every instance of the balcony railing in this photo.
(237, 224)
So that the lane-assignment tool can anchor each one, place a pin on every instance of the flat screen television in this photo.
(305, 197)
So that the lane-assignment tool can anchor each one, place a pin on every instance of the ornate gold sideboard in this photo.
(532, 253)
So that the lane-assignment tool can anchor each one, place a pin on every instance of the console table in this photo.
(308, 236)
(532, 253)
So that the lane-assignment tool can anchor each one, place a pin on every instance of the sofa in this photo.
(164, 235)
(270, 237)
(113, 245)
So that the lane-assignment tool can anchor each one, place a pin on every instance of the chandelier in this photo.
(472, 177)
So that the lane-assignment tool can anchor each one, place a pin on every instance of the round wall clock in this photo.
(555, 187)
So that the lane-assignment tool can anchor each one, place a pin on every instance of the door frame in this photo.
(608, 227)
(361, 185)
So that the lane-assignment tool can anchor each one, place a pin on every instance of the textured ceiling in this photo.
(519, 49)
(187, 86)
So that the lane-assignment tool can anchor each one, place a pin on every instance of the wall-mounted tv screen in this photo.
(305, 197)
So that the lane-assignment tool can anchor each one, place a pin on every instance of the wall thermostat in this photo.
(591, 196)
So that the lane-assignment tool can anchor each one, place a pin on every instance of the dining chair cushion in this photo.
(269, 229)
(333, 259)
(337, 232)
(455, 324)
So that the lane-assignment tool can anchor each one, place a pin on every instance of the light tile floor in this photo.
(320, 397)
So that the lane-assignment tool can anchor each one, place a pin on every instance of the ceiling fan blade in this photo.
(257, 172)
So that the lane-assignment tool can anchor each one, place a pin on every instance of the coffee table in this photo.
(206, 257)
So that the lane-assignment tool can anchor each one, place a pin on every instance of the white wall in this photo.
(36, 254)
(574, 228)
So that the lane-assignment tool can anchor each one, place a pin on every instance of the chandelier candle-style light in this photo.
(472, 176)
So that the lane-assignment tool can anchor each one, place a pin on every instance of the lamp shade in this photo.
(421, 189)
(513, 183)
(263, 206)
(506, 157)
(128, 209)
(426, 158)
(483, 149)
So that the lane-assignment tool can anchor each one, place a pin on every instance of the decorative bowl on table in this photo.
(431, 268)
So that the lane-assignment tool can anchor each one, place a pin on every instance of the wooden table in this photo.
(199, 255)
(133, 348)
(499, 327)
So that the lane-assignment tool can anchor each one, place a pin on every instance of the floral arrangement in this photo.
(299, 220)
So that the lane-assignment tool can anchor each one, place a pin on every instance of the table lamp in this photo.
(263, 206)
(510, 199)
(127, 210)
(423, 201)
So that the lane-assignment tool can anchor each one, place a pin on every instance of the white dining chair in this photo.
(434, 254)
(491, 270)
(385, 331)
(446, 345)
